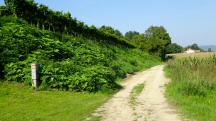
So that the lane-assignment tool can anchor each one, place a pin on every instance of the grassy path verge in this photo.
(20, 103)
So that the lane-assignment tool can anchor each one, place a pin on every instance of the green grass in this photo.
(193, 107)
(193, 87)
(135, 92)
(21, 103)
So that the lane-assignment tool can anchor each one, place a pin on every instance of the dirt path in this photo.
(150, 105)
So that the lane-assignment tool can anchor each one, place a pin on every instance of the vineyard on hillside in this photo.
(71, 54)
(71, 63)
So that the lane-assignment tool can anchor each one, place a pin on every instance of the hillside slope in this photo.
(67, 62)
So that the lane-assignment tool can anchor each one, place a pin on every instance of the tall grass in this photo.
(197, 75)
(193, 86)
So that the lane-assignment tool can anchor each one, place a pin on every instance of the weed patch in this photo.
(135, 92)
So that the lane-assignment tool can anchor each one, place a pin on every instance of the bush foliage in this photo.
(66, 62)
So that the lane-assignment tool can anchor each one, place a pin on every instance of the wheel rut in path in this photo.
(151, 104)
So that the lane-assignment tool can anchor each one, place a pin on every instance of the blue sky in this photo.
(187, 21)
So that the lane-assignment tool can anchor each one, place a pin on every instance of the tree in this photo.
(159, 33)
(141, 42)
(11, 6)
(154, 40)
(158, 38)
(110, 30)
(129, 35)
(4, 11)
(15, 6)
(194, 47)
(174, 48)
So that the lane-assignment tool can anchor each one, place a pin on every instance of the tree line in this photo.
(56, 21)
(154, 40)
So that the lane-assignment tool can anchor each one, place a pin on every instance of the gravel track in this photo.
(151, 104)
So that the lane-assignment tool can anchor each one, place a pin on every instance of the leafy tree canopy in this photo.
(194, 47)
(129, 35)
(110, 30)
(174, 48)
(158, 33)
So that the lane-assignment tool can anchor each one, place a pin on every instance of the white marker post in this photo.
(35, 75)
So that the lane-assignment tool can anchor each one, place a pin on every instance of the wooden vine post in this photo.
(35, 75)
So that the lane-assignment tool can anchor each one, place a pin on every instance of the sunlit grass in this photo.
(199, 55)
(21, 103)
(193, 86)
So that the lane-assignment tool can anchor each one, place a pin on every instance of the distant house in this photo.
(190, 51)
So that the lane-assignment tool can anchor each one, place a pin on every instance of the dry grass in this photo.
(199, 55)
(193, 86)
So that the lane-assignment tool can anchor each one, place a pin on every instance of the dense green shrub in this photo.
(66, 62)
